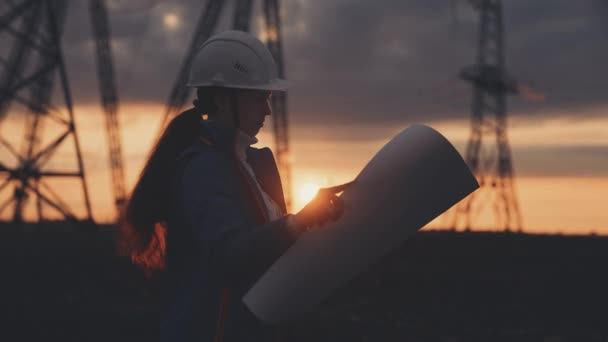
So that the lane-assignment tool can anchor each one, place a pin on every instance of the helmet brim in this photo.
(275, 85)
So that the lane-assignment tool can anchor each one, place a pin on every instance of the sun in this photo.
(305, 193)
(171, 21)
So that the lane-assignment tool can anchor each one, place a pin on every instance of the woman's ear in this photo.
(221, 101)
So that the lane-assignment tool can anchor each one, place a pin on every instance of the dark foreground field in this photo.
(440, 286)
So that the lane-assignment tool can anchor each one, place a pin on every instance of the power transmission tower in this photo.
(34, 60)
(279, 99)
(492, 163)
(109, 97)
(241, 18)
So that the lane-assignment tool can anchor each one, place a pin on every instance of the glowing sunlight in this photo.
(171, 21)
(304, 193)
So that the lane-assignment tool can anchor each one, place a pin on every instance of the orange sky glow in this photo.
(549, 204)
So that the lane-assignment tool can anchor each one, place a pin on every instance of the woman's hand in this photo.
(324, 207)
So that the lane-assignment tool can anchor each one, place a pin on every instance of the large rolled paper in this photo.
(413, 179)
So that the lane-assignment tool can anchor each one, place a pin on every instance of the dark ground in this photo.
(440, 286)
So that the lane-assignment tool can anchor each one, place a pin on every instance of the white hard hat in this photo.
(235, 59)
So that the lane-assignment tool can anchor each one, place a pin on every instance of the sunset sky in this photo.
(362, 71)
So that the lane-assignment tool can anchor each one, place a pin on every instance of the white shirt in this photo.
(242, 142)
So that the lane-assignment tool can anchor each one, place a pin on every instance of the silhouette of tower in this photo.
(488, 153)
(27, 76)
(109, 97)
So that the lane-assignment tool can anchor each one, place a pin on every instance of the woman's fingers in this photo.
(333, 209)
(328, 207)
(337, 207)
(335, 201)
(336, 189)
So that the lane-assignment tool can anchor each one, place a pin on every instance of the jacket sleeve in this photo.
(214, 211)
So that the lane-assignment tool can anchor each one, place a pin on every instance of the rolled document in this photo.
(413, 179)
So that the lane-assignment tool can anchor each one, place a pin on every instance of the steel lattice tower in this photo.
(109, 97)
(491, 163)
(34, 61)
(241, 18)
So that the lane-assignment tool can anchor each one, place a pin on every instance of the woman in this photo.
(220, 199)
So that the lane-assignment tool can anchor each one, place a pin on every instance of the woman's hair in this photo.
(205, 102)
(204, 99)
(141, 226)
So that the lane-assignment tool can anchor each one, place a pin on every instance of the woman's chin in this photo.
(251, 134)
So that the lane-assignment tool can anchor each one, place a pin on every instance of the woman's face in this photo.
(253, 107)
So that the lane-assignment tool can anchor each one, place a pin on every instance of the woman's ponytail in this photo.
(142, 222)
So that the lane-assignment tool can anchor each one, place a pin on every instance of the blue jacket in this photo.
(219, 240)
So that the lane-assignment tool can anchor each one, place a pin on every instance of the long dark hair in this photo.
(142, 222)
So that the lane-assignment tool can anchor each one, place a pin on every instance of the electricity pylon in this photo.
(109, 97)
(34, 61)
(492, 163)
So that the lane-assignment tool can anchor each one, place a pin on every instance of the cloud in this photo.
(578, 161)
(364, 62)
(356, 62)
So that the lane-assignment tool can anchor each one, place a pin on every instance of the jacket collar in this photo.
(243, 142)
(217, 134)
(227, 138)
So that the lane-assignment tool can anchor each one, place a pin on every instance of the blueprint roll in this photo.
(413, 179)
